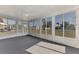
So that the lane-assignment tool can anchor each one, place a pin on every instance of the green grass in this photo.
(6, 33)
(70, 34)
(33, 30)
(38, 31)
(58, 33)
(49, 31)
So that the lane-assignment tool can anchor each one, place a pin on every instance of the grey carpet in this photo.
(17, 45)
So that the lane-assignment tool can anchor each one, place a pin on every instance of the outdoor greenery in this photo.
(43, 26)
(64, 25)
(59, 25)
(8, 27)
(69, 25)
(49, 26)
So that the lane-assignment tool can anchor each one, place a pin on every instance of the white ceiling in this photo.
(32, 11)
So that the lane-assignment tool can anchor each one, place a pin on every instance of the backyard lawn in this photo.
(58, 32)
(6, 33)
(70, 33)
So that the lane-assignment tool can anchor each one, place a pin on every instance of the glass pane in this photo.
(25, 26)
(38, 26)
(34, 26)
(43, 26)
(30, 26)
(7, 26)
(33, 29)
(3, 27)
(11, 26)
(59, 25)
(69, 24)
(20, 26)
(49, 25)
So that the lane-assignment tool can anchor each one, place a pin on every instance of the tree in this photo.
(58, 25)
(66, 24)
(44, 24)
(49, 24)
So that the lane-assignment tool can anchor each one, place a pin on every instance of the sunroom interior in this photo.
(39, 29)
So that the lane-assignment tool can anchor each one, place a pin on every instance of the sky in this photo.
(69, 17)
(10, 22)
(59, 18)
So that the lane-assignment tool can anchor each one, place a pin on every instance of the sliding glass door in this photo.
(43, 30)
(25, 28)
(7, 26)
(49, 26)
(38, 26)
(59, 25)
(65, 25)
(30, 26)
(3, 27)
(69, 24)
(34, 26)
(20, 27)
(11, 27)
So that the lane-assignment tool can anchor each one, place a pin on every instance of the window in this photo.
(59, 25)
(11, 27)
(69, 24)
(38, 26)
(43, 26)
(3, 27)
(25, 26)
(7, 26)
(34, 27)
(30, 26)
(20, 27)
(49, 25)
(68, 20)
